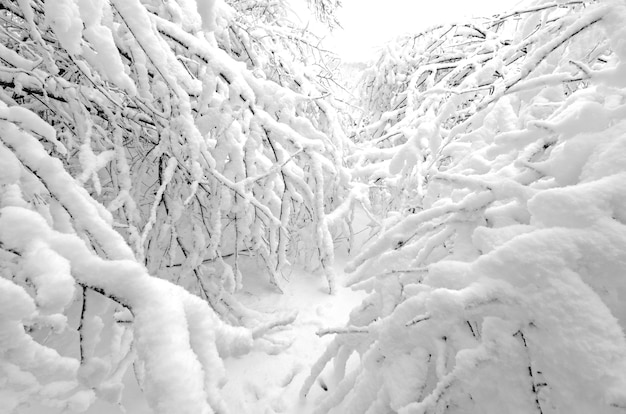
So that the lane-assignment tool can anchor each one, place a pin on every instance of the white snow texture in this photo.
(157, 156)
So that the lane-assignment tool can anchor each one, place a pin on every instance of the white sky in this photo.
(370, 23)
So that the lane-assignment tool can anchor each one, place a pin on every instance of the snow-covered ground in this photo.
(263, 383)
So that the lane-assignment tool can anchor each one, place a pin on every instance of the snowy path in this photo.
(262, 383)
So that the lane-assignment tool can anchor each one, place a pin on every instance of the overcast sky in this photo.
(370, 23)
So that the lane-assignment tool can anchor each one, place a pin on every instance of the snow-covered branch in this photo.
(491, 157)
(147, 150)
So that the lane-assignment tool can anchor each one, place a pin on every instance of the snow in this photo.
(206, 9)
(105, 58)
(136, 18)
(154, 303)
(29, 120)
(10, 172)
(15, 59)
(64, 18)
(51, 275)
(26, 364)
(268, 378)
(259, 382)
(504, 256)
(489, 172)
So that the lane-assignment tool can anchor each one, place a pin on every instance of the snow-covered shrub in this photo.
(134, 143)
(71, 286)
(263, 36)
(204, 144)
(499, 284)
